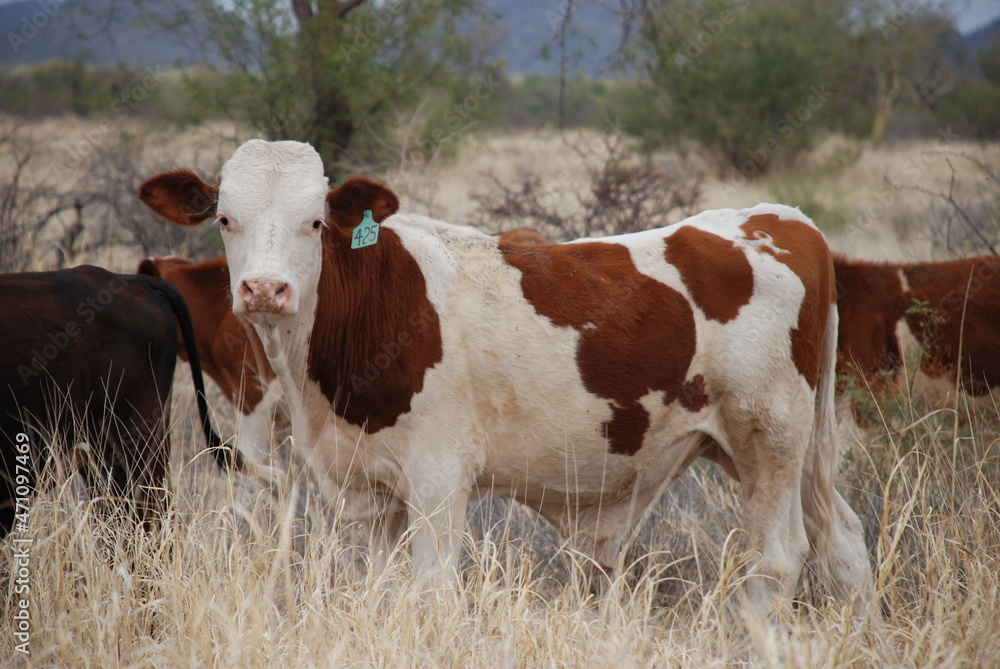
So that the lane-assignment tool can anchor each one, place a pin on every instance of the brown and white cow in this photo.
(230, 351)
(952, 308)
(579, 378)
(523, 235)
(89, 355)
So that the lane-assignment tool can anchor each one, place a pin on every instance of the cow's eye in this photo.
(223, 222)
(317, 224)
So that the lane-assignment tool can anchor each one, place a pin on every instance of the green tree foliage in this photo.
(904, 56)
(69, 87)
(756, 82)
(343, 75)
(973, 108)
(738, 77)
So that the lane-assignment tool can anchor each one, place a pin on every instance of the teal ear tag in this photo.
(365, 234)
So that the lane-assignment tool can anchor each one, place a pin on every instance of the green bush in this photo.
(533, 101)
(748, 81)
(72, 87)
(972, 110)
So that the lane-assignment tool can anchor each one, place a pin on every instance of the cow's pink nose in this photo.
(265, 295)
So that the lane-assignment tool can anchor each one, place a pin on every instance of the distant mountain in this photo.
(980, 39)
(103, 32)
(531, 26)
(109, 31)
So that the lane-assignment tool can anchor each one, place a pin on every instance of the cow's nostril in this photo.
(265, 295)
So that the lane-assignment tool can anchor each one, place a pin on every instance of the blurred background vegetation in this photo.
(752, 83)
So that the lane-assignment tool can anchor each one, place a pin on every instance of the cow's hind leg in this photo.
(774, 519)
(836, 535)
(769, 465)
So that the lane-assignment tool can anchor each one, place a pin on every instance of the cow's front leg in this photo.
(386, 531)
(437, 498)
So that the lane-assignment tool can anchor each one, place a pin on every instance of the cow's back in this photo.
(871, 300)
(621, 345)
(958, 309)
(88, 354)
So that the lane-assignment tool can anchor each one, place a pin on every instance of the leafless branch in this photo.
(964, 219)
(622, 196)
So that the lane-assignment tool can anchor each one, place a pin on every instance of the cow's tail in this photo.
(225, 456)
(824, 456)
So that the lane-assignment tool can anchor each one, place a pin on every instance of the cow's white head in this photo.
(271, 205)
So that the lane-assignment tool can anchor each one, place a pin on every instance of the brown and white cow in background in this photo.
(230, 350)
(949, 307)
(578, 378)
(523, 235)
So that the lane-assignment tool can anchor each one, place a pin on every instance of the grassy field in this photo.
(244, 574)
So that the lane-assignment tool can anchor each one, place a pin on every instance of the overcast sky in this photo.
(976, 13)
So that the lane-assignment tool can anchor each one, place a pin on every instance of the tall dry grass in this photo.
(242, 574)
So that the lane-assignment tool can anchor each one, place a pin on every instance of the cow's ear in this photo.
(148, 267)
(348, 203)
(180, 197)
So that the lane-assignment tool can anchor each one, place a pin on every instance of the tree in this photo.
(902, 56)
(755, 82)
(973, 107)
(339, 74)
(747, 80)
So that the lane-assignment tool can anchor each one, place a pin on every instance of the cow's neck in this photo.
(375, 332)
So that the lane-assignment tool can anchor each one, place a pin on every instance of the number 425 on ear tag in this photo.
(365, 234)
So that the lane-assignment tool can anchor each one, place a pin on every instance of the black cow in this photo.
(88, 356)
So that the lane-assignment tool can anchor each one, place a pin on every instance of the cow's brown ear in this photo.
(348, 203)
(148, 267)
(180, 197)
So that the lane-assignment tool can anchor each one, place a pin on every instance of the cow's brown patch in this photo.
(803, 249)
(637, 335)
(961, 316)
(693, 396)
(715, 271)
(230, 351)
(376, 332)
(522, 236)
(871, 301)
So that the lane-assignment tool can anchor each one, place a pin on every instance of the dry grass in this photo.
(240, 574)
